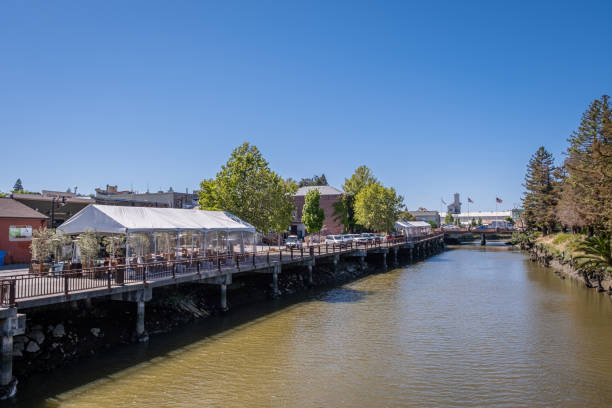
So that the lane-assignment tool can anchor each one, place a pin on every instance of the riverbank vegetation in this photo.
(573, 201)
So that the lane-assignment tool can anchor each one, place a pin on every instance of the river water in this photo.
(469, 327)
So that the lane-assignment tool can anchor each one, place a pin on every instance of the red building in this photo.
(17, 221)
(329, 196)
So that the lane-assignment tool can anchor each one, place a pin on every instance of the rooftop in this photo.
(323, 190)
(10, 208)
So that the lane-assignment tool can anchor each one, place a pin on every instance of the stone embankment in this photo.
(564, 265)
(58, 334)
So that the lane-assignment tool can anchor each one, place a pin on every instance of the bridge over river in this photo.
(135, 283)
(472, 233)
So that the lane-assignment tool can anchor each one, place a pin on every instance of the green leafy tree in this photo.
(509, 220)
(312, 214)
(344, 210)
(433, 224)
(448, 219)
(541, 194)
(473, 223)
(405, 215)
(344, 214)
(247, 188)
(378, 207)
(479, 221)
(18, 185)
(362, 177)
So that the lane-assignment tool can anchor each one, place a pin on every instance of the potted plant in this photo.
(88, 246)
(113, 245)
(41, 247)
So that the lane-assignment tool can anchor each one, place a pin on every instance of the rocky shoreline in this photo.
(60, 334)
(564, 267)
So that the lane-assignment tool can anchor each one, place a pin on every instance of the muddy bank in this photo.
(59, 334)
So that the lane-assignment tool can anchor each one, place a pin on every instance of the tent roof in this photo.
(112, 219)
(412, 224)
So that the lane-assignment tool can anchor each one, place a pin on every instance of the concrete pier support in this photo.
(6, 375)
(275, 283)
(395, 262)
(411, 251)
(336, 260)
(224, 307)
(141, 333)
(362, 263)
(384, 260)
(483, 239)
(11, 325)
(310, 273)
(140, 297)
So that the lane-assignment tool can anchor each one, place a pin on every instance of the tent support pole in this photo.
(178, 244)
(191, 255)
(155, 246)
(127, 247)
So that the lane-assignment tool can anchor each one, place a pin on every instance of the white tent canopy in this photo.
(110, 219)
(413, 227)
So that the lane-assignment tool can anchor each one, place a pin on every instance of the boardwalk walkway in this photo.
(30, 290)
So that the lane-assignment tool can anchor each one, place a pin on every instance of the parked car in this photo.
(448, 227)
(363, 238)
(336, 240)
(347, 238)
(292, 241)
(480, 228)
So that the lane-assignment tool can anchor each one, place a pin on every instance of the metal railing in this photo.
(19, 287)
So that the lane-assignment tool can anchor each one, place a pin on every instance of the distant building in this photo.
(455, 206)
(487, 216)
(425, 215)
(329, 196)
(170, 198)
(57, 206)
(17, 221)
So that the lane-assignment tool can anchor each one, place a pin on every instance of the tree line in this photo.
(577, 195)
(247, 187)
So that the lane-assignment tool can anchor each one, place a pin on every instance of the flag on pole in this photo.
(470, 200)
(498, 200)
(443, 202)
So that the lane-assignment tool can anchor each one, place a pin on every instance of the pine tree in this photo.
(18, 186)
(541, 197)
(587, 189)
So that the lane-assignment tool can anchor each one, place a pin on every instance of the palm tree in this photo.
(597, 258)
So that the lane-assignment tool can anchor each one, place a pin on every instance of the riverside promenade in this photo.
(135, 283)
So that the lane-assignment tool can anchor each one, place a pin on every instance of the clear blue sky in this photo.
(435, 97)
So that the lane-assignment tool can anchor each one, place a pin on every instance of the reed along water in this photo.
(471, 327)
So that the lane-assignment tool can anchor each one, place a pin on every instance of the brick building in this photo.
(17, 221)
(329, 196)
